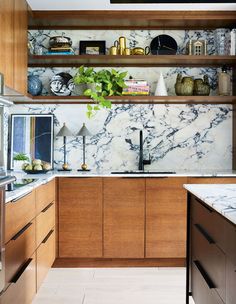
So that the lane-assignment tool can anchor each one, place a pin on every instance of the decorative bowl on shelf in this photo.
(36, 171)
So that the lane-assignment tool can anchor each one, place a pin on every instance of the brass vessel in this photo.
(141, 51)
(202, 87)
(184, 86)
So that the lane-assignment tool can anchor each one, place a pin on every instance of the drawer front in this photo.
(45, 221)
(230, 241)
(230, 283)
(45, 194)
(19, 249)
(212, 222)
(23, 289)
(211, 258)
(45, 257)
(18, 214)
(203, 291)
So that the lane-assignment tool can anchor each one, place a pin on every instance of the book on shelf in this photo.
(135, 94)
(136, 82)
(59, 53)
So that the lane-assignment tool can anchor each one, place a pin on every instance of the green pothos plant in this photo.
(106, 83)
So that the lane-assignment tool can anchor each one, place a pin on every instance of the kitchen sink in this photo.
(143, 172)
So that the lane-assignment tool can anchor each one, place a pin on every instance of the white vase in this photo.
(161, 87)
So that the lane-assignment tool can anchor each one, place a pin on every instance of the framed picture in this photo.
(89, 47)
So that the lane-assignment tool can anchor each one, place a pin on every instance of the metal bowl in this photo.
(58, 41)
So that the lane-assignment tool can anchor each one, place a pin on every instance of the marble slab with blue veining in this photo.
(221, 197)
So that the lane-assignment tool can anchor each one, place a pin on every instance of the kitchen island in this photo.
(211, 243)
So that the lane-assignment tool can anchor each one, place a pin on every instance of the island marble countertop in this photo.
(44, 178)
(221, 197)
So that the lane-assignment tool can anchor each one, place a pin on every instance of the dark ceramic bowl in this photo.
(36, 171)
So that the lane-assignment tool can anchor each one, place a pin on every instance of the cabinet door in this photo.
(166, 203)
(124, 217)
(7, 41)
(230, 282)
(80, 217)
(20, 46)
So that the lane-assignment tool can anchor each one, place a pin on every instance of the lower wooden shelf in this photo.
(128, 100)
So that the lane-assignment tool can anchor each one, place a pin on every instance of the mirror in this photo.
(31, 135)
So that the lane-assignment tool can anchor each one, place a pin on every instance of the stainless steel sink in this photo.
(143, 172)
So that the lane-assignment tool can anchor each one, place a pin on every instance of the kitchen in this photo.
(118, 137)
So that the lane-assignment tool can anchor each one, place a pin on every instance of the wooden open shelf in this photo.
(130, 61)
(130, 100)
(110, 20)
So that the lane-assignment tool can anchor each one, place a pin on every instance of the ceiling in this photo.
(105, 5)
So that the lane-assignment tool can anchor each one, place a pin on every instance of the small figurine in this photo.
(202, 87)
(184, 86)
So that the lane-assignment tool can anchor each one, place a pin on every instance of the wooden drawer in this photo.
(44, 195)
(45, 257)
(230, 283)
(23, 288)
(230, 241)
(203, 290)
(212, 259)
(19, 249)
(18, 214)
(210, 221)
(45, 221)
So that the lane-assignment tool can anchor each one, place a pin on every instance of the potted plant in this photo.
(82, 78)
(107, 83)
(19, 161)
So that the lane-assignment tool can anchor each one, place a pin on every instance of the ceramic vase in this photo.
(161, 87)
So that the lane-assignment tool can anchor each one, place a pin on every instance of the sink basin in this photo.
(143, 172)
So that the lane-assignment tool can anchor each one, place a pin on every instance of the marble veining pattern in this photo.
(177, 137)
(134, 38)
(220, 197)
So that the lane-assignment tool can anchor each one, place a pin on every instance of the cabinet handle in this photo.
(20, 197)
(16, 236)
(203, 205)
(48, 236)
(20, 272)
(204, 233)
(205, 276)
(46, 208)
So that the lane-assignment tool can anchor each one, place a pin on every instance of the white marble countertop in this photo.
(44, 178)
(221, 197)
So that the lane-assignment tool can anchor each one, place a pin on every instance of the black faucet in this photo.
(142, 161)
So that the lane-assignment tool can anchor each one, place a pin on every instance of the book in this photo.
(59, 53)
(136, 82)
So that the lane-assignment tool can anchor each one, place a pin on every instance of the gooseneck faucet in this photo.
(142, 161)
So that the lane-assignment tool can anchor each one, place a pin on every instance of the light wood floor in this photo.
(113, 286)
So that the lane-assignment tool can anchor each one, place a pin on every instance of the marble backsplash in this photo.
(177, 137)
(134, 38)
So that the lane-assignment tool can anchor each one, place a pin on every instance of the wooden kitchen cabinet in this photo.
(20, 46)
(13, 41)
(7, 41)
(124, 217)
(80, 217)
(44, 195)
(166, 205)
(23, 287)
(19, 213)
(45, 257)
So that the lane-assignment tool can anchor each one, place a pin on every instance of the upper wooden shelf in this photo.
(130, 61)
(131, 19)
(129, 100)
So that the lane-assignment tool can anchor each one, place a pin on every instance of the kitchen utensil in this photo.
(121, 45)
(113, 50)
(127, 51)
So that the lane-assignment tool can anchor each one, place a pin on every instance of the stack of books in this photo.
(136, 87)
(60, 51)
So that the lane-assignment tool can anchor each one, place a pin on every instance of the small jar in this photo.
(224, 83)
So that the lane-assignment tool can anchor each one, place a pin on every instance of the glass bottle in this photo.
(224, 83)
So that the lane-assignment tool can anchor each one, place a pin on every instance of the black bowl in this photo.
(36, 171)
